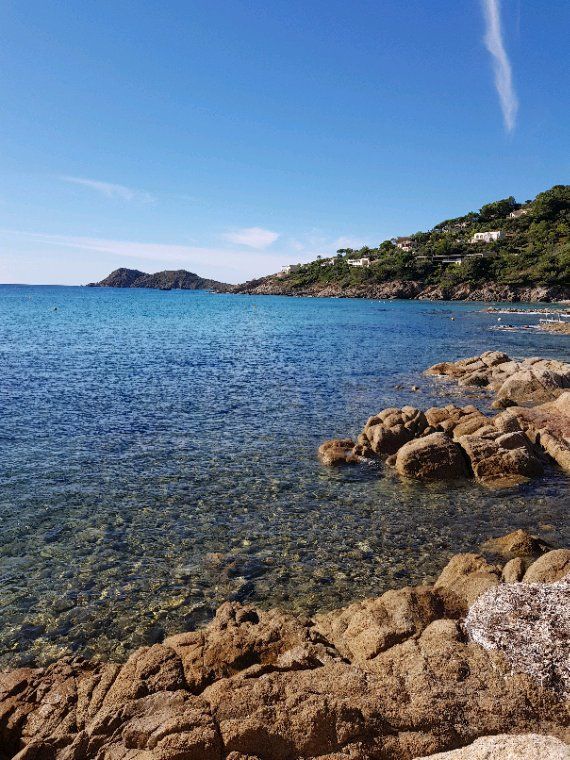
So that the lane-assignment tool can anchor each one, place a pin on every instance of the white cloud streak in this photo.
(502, 67)
(252, 237)
(221, 263)
(110, 190)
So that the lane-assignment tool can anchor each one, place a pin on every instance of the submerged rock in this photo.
(338, 451)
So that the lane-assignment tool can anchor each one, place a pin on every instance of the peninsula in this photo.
(507, 251)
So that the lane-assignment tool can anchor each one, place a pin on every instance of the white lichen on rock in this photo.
(530, 624)
(506, 747)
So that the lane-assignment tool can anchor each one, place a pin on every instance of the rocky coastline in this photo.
(417, 671)
(409, 290)
(473, 666)
(452, 442)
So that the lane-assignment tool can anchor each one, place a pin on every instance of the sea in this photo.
(158, 457)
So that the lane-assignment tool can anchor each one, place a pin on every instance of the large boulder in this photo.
(387, 431)
(464, 579)
(456, 420)
(433, 457)
(529, 623)
(548, 426)
(240, 637)
(523, 387)
(362, 630)
(516, 383)
(501, 459)
(549, 568)
(519, 543)
(508, 747)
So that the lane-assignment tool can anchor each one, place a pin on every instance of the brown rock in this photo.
(434, 457)
(338, 451)
(503, 460)
(551, 567)
(390, 429)
(389, 678)
(514, 570)
(362, 630)
(464, 578)
(240, 637)
(519, 543)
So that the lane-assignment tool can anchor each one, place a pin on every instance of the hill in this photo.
(178, 279)
(505, 251)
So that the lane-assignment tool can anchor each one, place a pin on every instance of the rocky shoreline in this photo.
(452, 442)
(409, 290)
(474, 666)
(416, 671)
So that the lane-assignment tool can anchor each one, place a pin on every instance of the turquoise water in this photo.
(157, 456)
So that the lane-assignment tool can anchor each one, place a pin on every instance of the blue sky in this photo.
(230, 137)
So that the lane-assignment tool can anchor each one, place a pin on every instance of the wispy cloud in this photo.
(253, 237)
(503, 74)
(222, 263)
(110, 190)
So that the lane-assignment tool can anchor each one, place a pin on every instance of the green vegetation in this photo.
(534, 250)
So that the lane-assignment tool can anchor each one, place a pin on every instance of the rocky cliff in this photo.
(178, 279)
(408, 289)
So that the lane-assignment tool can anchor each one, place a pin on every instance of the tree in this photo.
(549, 204)
(497, 209)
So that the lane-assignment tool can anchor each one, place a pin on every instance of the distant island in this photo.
(178, 279)
(507, 251)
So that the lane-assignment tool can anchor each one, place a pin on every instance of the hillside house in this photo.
(363, 262)
(404, 243)
(487, 237)
(518, 212)
(288, 268)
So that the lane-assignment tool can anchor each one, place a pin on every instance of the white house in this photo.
(289, 268)
(328, 262)
(364, 262)
(404, 243)
(518, 212)
(487, 237)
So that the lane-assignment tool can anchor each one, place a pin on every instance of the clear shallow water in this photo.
(157, 456)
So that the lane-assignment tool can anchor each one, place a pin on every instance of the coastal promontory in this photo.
(506, 251)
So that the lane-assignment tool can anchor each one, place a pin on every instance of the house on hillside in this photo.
(363, 262)
(404, 243)
(487, 237)
(288, 268)
(519, 212)
(448, 258)
(328, 262)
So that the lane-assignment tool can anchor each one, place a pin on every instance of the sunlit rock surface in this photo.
(396, 677)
